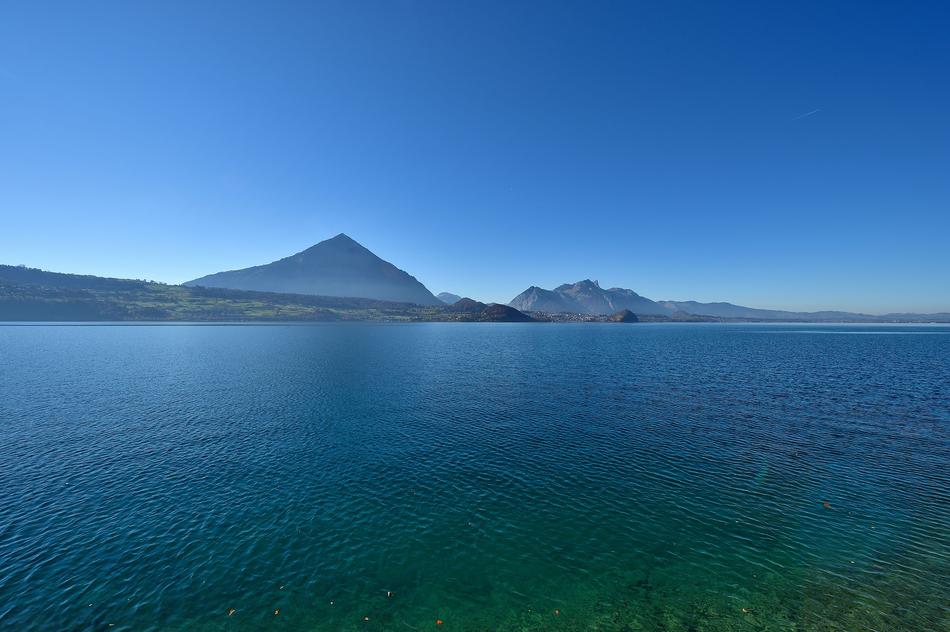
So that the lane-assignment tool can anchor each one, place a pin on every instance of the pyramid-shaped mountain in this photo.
(335, 267)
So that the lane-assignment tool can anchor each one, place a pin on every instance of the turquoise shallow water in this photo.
(494, 477)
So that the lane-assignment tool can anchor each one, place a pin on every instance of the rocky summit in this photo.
(586, 297)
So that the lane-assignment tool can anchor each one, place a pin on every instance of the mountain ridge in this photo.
(448, 297)
(721, 309)
(586, 297)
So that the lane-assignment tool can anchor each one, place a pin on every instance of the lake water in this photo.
(491, 476)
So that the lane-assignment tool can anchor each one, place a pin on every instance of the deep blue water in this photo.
(492, 476)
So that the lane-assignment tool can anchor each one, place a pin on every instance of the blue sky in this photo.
(773, 154)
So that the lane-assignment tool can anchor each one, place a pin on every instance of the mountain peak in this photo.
(339, 266)
(448, 297)
(585, 284)
(341, 241)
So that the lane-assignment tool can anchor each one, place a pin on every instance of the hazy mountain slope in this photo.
(448, 298)
(937, 317)
(729, 310)
(723, 310)
(535, 299)
(335, 267)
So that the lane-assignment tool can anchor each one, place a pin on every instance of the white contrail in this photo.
(806, 114)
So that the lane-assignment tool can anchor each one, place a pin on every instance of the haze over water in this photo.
(513, 477)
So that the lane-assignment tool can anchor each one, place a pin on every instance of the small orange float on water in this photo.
(439, 621)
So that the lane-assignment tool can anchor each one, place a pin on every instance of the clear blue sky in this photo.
(773, 154)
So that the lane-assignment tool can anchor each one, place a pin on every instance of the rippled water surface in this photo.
(493, 477)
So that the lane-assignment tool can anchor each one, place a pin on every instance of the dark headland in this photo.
(624, 316)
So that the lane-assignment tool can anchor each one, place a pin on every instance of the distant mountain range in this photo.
(339, 279)
(587, 297)
(728, 310)
(335, 267)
